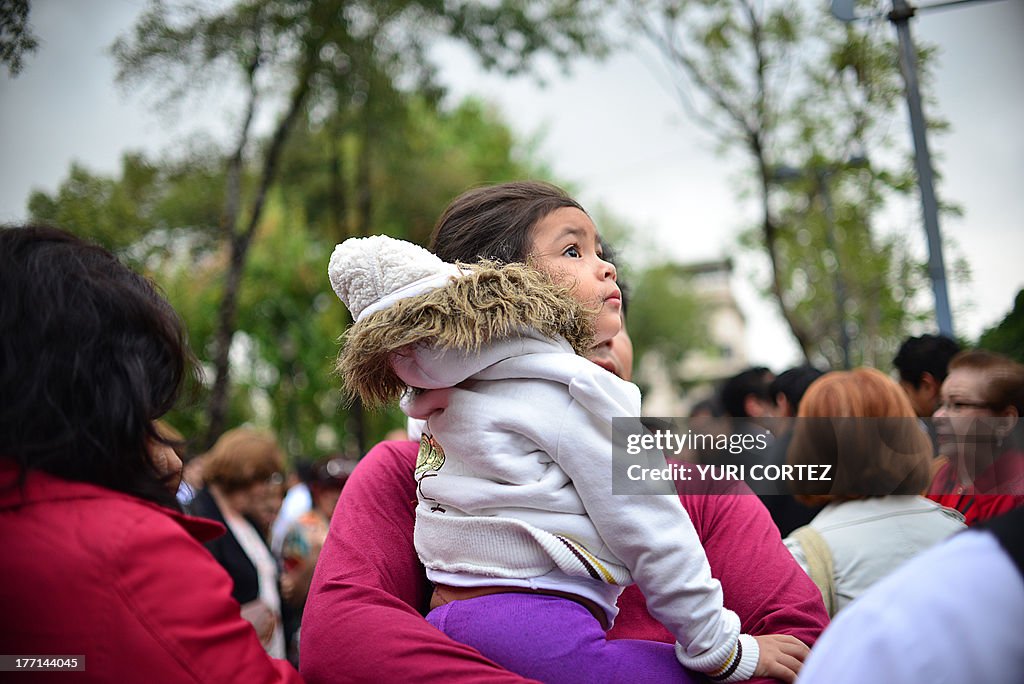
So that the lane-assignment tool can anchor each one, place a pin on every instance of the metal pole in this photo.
(830, 243)
(900, 17)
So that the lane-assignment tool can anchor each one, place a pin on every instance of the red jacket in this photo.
(362, 621)
(997, 490)
(124, 582)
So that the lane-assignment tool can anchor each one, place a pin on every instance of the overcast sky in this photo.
(612, 128)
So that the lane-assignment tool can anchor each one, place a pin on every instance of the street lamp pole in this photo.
(900, 17)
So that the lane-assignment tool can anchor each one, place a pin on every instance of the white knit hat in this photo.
(370, 274)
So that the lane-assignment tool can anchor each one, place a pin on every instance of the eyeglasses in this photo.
(960, 406)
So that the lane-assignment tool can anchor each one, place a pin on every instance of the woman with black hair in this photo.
(102, 571)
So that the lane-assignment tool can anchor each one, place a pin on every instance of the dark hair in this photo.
(736, 389)
(925, 354)
(793, 383)
(711, 406)
(494, 222)
(90, 356)
(331, 472)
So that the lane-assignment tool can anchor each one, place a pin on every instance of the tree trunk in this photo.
(770, 230)
(338, 209)
(239, 246)
(364, 218)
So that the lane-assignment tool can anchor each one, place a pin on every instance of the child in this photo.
(516, 523)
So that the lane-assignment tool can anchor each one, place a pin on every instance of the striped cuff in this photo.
(740, 664)
(742, 661)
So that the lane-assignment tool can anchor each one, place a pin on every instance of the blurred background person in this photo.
(297, 500)
(787, 389)
(922, 363)
(265, 506)
(861, 424)
(980, 436)
(244, 472)
(99, 561)
(191, 478)
(748, 394)
(749, 413)
(953, 614)
(302, 542)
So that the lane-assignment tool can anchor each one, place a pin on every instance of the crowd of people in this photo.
(491, 545)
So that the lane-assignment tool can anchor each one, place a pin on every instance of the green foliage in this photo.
(107, 210)
(791, 87)
(16, 36)
(413, 175)
(1007, 337)
(162, 216)
(665, 316)
(141, 213)
(351, 72)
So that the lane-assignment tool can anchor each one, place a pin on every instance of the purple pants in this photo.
(554, 640)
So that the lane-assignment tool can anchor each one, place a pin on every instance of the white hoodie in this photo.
(524, 490)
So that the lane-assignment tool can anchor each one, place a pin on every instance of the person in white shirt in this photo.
(953, 614)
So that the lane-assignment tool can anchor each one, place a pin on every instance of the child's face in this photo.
(565, 244)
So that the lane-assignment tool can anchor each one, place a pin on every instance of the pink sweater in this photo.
(362, 620)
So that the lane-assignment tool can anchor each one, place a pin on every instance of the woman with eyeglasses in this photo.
(244, 476)
(980, 436)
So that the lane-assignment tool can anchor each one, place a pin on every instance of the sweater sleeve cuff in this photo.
(738, 666)
(748, 660)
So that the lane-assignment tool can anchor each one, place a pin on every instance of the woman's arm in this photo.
(361, 621)
(761, 580)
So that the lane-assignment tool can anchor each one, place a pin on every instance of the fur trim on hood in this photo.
(490, 303)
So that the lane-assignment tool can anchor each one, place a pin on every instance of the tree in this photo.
(794, 88)
(143, 211)
(330, 54)
(1007, 337)
(666, 320)
(665, 315)
(16, 36)
(163, 215)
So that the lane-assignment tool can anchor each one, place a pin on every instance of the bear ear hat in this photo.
(372, 273)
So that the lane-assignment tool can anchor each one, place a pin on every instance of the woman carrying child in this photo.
(517, 526)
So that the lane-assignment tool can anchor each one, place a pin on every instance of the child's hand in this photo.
(781, 656)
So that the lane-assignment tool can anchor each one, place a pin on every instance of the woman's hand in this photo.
(167, 464)
(262, 619)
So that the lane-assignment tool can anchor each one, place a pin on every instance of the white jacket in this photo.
(869, 538)
(524, 488)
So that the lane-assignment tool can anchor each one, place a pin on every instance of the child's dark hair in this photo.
(494, 222)
(90, 356)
